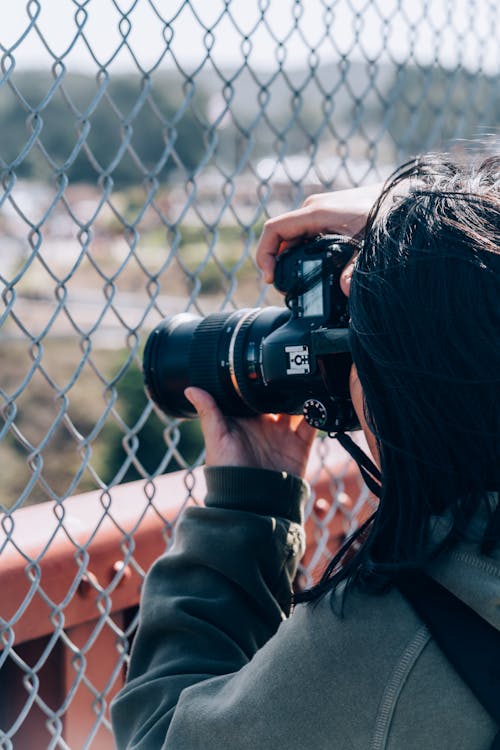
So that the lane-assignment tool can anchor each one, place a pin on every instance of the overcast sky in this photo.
(446, 31)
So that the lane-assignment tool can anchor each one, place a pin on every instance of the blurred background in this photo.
(142, 146)
(143, 143)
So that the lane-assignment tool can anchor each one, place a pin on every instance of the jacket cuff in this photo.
(262, 491)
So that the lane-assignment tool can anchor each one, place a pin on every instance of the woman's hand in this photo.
(341, 212)
(279, 442)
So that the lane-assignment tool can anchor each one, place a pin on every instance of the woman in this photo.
(217, 661)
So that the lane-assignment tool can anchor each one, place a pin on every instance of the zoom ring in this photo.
(209, 350)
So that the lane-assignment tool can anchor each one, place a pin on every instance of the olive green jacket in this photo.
(218, 663)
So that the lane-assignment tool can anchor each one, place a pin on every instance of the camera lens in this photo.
(219, 353)
(274, 359)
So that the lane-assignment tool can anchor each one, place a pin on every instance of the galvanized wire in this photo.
(346, 90)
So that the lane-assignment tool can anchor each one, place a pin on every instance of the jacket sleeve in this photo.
(214, 599)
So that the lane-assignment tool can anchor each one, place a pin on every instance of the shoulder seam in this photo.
(394, 686)
(476, 562)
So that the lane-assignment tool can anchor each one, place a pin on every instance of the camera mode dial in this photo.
(315, 413)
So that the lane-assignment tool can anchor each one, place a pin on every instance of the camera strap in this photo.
(471, 645)
(369, 471)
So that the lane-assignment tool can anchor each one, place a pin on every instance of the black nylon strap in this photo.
(369, 471)
(470, 643)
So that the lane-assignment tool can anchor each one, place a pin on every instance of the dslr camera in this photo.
(293, 359)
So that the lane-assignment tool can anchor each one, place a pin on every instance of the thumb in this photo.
(212, 422)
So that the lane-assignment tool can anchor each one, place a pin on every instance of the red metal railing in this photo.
(64, 650)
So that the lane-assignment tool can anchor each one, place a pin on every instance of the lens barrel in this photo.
(211, 360)
(166, 364)
(219, 353)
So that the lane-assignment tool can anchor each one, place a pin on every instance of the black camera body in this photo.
(289, 360)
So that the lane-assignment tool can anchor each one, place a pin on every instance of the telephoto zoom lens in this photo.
(219, 353)
(283, 360)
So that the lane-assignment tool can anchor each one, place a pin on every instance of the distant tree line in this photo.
(84, 128)
(435, 108)
(130, 128)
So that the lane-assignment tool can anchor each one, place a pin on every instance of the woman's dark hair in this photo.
(425, 322)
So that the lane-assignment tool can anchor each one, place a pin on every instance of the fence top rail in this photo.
(70, 567)
(96, 551)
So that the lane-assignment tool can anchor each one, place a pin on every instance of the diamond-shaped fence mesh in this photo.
(143, 143)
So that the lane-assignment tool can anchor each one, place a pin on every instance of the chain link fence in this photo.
(142, 146)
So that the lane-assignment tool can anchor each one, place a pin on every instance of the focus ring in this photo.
(209, 362)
